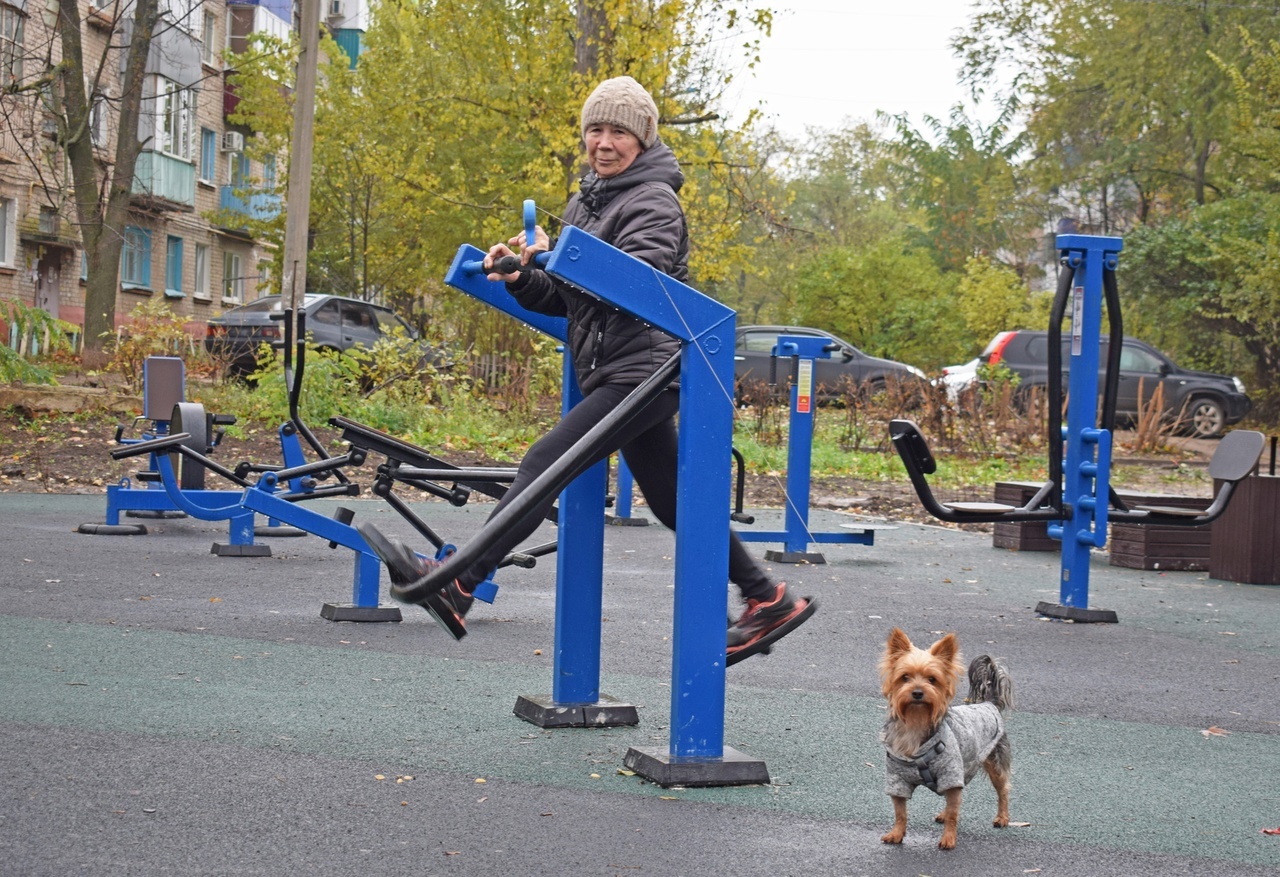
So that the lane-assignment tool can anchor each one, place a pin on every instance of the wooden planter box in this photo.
(1028, 536)
(1152, 546)
(1133, 546)
(1246, 540)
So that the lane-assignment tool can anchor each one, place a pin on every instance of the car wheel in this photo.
(1206, 417)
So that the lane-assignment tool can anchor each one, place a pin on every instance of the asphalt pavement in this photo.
(169, 712)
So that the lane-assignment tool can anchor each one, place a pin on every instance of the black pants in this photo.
(649, 445)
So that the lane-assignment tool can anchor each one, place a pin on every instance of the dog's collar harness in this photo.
(923, 761)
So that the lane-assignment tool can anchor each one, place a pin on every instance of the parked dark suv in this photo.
(848, 366)
(1203, 403)
(333, 322)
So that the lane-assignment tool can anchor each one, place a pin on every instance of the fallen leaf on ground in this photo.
(1215, 731)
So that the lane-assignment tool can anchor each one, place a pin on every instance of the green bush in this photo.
(47, 332)
(152, 329)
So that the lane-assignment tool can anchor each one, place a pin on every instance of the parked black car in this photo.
(848, 366)
(333, 322)
(1204, 404)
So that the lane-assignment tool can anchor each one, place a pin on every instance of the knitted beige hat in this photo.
(623, 102)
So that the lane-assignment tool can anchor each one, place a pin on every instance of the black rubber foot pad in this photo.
(112, 529)
(1080, 616)
(733, 768)
(545, 712)
(351, 612)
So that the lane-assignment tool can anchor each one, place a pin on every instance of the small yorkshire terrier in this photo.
(930, 743)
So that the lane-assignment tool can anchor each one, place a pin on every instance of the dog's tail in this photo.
(989, 682)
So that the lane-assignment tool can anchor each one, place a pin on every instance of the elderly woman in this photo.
(628, 199)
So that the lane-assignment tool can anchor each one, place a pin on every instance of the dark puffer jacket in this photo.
(638, 212)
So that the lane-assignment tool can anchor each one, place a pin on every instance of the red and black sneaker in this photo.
(764, 622)
(448, 606)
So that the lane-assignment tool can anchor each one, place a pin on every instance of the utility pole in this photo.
(298, 201)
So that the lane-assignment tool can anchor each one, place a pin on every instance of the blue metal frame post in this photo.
(1087, 458)
(579, 576)
(623, 496)
(576, 699)
(796, 536)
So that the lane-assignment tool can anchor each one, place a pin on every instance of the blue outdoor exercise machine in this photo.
(267, 497)
(278, 491)
(1077, 501)
(696, 755)
(163, 407)
(802, 350)
(163, 382)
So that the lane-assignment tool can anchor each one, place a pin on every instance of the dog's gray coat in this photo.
(952, 756)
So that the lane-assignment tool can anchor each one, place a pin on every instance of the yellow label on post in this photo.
(804, 387)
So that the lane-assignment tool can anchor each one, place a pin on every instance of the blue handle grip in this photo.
(530, 222)
(511, 264)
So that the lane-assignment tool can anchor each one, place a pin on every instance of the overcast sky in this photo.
(832, 59)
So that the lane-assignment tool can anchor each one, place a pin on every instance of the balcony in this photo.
(164, 183)
(258, 206)
(48, 230)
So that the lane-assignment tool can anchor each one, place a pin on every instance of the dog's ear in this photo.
(898, 644)
(947, 650)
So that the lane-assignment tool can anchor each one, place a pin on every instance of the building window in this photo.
(98, 133)
(232, 277)
(186, 14)
(11, 27)
(209, 49)
(269, 173)
(175, 119)
(135, 257)
(202, 272)
(173, 268)
(239, 170)
(208, 155)
(8, 230)
(264, 278)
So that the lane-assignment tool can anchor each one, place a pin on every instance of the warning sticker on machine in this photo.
(804, 386)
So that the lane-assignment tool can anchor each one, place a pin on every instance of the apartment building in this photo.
(183, 239)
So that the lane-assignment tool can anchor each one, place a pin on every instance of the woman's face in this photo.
(611, 150)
